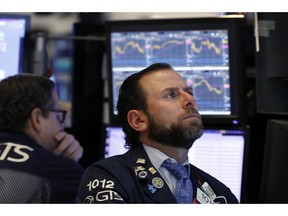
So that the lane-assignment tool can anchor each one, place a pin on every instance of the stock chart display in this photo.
(200, 56)
(211, 90)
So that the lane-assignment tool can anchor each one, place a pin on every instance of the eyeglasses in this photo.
(61, 116)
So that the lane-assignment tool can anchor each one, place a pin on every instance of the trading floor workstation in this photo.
(239, 88)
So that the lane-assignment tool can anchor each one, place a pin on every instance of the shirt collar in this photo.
(157, 157)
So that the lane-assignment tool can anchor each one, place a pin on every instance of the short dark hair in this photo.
(131, 96)
(19, 95)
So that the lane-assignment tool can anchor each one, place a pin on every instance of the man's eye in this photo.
(171, 95)
(190, 92)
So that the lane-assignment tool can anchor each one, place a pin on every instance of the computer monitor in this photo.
(13, 29)
(274, 179)
(271, 64)
(207, 52)
(221, 153)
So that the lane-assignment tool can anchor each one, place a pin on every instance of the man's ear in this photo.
(36, 118)
(137, 120)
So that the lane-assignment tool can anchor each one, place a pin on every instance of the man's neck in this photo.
(179, 154)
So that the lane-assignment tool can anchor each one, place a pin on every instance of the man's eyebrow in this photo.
(170, 89)
(187, 88)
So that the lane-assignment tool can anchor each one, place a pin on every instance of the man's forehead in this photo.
(165, 74)
(162, 80)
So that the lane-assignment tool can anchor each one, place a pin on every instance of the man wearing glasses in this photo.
(38, 159)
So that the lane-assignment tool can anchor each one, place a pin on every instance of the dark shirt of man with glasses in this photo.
(38, 159)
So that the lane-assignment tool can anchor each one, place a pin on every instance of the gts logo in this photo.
(14, 152)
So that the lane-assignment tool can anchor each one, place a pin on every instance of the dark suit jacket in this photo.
(131, 178)
(31, 174)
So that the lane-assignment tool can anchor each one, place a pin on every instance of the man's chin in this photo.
(193, 126)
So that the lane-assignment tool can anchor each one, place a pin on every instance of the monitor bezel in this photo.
(235, 27)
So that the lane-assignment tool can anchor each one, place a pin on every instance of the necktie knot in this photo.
(178, 170)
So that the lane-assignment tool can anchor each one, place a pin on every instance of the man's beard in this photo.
(175, 135)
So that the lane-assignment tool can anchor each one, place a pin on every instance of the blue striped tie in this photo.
(184, 189)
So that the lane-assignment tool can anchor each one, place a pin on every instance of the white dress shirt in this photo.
(157, 157)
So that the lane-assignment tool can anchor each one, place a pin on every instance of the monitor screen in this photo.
(221, 153)
(205, 51)
(13, 30)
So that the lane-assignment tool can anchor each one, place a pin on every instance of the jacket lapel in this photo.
(154, 186)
